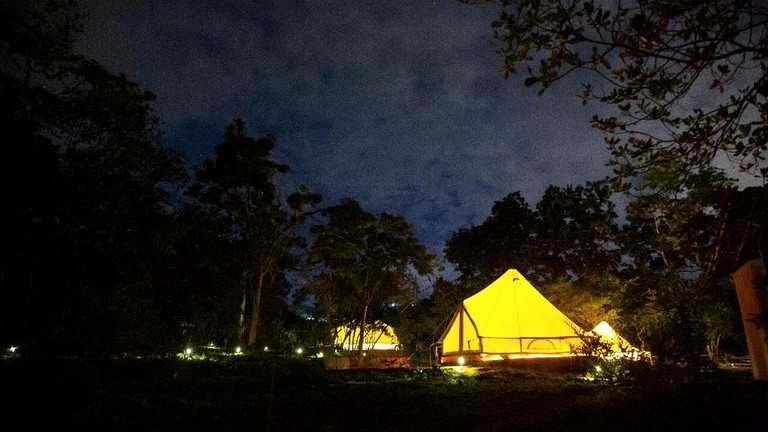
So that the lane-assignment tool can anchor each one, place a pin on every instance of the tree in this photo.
(87, 190)
(667, 296)
(365, 263)
(238, 185)
(570, 235)
(687, 78)
(504, 240)
(576, 235)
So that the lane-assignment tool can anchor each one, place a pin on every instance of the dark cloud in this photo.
(395, 103)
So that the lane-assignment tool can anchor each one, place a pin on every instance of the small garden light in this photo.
(238, 350)
(188, 351)
(299, 350)
(266, 348)
(461, 361)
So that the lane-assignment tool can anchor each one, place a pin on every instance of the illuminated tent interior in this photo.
(378, 336)
(509, 319)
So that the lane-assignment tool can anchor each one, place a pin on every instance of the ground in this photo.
(272, 394)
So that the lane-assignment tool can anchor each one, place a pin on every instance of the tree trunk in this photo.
(241, 317)
(361, 338)
(253, 326)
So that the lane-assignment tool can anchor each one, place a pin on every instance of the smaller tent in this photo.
(378, 336)
(618, 345)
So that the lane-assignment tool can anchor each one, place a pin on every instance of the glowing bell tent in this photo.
(618, 345)
(509, 319)
(378, 336)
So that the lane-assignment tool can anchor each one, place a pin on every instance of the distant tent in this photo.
(618, 345)
(378, 336)
(508, 319)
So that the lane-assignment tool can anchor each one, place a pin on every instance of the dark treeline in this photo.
(111, 244)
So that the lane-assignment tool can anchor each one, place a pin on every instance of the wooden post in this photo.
(751, 291)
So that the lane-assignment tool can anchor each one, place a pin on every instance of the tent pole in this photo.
(461, 329)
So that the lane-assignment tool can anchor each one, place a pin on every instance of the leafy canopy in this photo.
(687, 79)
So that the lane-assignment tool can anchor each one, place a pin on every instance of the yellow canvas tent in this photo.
(618, 345)
(378, 336)
(509, 319)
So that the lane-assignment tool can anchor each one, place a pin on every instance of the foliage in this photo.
(687, 79)
(238, 187)
(667, 297)
(569, 236)
(608, 361)
(579, 303)
(485, 251)
(650, 276)
(420, 324)
(87, 193)
(364, 263)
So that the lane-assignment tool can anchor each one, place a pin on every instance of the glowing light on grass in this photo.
(461, 361)
(188, 351)
(238, 350)
(299, 350)
(598, 369)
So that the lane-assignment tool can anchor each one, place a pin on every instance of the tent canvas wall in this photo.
(378, 336)
(508, 319)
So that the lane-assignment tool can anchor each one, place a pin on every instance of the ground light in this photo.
(461, 361)
(12, 349)
(463, 370)
(299, 351)
(238, 350)
(188, 351)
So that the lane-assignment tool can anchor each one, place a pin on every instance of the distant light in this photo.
(238, 350)
(299, 350)
(364, 354)
(393, 304)
(188, 351)
(461, 361)
(12, 349)
(320, 355)
(266, 348)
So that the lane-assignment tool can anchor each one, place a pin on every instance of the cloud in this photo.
(396, 104)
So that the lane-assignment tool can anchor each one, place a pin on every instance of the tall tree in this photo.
(667, 243)
(86, 187)
(238, 185)
(569, 236)
(687, 78)
(504, 240)
(365, 262)
(576, 235)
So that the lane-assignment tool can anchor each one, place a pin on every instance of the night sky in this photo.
(397, 104)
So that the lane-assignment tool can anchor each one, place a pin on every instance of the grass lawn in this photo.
(278, 395)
